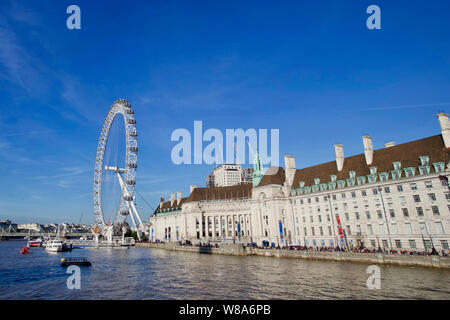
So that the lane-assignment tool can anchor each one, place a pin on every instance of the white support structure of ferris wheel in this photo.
(125, 175)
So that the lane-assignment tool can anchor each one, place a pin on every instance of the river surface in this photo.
(144, 273)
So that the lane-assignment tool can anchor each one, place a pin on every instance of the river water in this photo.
(143, 273)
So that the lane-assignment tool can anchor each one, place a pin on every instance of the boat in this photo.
(35, 243)
(54, 245)
(83, 262)
(24, 250)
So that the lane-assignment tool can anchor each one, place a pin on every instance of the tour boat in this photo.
(35, 243)
(54, 246)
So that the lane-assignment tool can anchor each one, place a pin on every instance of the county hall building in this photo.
(396, 197)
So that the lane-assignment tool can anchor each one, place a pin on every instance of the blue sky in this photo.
(309, 68)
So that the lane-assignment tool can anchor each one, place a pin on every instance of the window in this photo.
(416, 198)
(333, 177)
(346, 216)
(373, 170)
(372, 178)
(357, 215)
(409, 172)
(311, 218)
(375, 191)
(413, 186)
(343, 195)
(385, 244)
(432, 196)
(351, 174)
(424, 160)
(320, 218)
(444, 181)
(419, 211)
(400, 188)
(368, 215)
(361, 180)
(428, 184)
(435, 210)
(317, 199)
(373, 243)
(305, 231)
(398, 244)
(309, 200)
(363, 193)
(444, 244)
(321, 231)
(439, 228)
(408, 228)
(392, 213)
(423, 228)
(396, 174)
(424, 170)
(383, 176)
(353, 194)
(370, 229)
(341, 183)
(329, 230)
(447, 196)
(438, 166)
(394, 229)
(387, 190)
(334, 197)
(382, 229)
(349, 230)
(412, 244)
(405, 212)
(397, 165)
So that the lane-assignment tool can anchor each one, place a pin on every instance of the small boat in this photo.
(24, 250)
(65, 262)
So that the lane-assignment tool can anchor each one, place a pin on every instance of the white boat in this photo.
(54, 246)
(35, 243)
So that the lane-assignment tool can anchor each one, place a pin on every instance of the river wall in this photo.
(368, 258)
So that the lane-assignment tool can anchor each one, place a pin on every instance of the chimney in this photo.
(339, 148)
(172, 198)
(368, 149)
(445, 128)
(289, 163)
(178, 198)
(161, 201)
(389, 144)
(193, 186)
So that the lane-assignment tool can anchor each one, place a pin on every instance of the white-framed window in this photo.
(397, 165)
(373, 170)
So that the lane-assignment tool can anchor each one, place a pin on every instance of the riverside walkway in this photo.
(368, 258)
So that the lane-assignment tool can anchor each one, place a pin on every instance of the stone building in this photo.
(396, 197)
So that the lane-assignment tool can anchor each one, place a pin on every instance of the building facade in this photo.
(396, 197)
(225, 175)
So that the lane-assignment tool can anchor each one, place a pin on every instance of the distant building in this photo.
(225, 175)
(30, 226)
(247, 175)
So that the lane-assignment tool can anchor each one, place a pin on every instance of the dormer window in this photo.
(341, 183)
(307, 190)
(424, 160)
(316, 180)
(351, 182)
(361, 180)
(352, 174)
(293, 192)
(410, 172)
(396, 174)
(383, 176)
(300, 191)
(397, 165)
(302, 184)
(424, 170)
(371, 178)
(438, 166)
(332, 185)
(323, 187)
(373, 170)
(333, 177)
(315, 188)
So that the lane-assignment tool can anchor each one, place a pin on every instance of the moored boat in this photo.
(54, 246)
(65, 262)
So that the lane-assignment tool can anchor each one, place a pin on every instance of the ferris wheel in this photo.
(126, 176)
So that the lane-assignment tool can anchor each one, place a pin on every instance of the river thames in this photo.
(143, 273)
